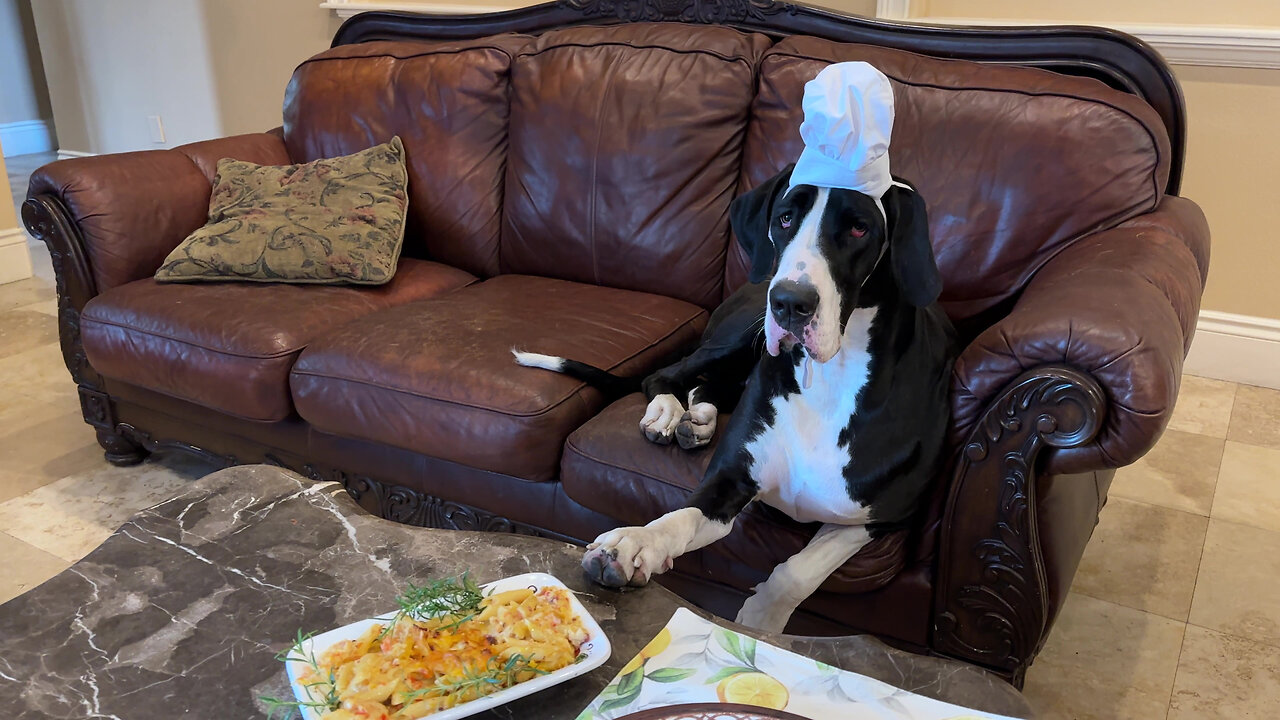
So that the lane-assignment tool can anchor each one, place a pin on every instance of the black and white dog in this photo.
(841, 420)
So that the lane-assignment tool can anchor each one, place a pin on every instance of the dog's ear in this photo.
(749, 217)
(910, 252)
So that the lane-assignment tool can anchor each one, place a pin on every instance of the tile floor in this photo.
(1175, 611)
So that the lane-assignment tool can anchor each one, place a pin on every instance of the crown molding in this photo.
(345, 9)
(1205, 45)
(1211, 45)
(1238, 46)
(893, 9)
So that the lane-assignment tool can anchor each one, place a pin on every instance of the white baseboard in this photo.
(25, 137)
(1239, 348)
(64, 154)
(15, 259)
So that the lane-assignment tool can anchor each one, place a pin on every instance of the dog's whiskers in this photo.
(757, 339)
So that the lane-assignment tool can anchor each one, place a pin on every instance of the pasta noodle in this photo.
(413, 668)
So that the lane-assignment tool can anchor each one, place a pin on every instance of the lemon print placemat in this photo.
(692, 660)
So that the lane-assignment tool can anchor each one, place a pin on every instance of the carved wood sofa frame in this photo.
(990, 603)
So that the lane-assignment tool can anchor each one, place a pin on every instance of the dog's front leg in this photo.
(632, 555)
(797, 578)
(661, 418)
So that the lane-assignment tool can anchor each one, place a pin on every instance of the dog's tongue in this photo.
(773, 334)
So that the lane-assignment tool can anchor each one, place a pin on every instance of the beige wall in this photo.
(215, 67)
(1233, 172)
(855, 7)
(8, 214)
(19, 102)
(15, 260)
(256, 44)
(1233, 147)
(22, 93)
(208, 68)
(866, 8)
(110, 65)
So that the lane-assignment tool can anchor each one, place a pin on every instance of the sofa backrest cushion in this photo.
(448, 102)
(625, 152)
(1014, 163)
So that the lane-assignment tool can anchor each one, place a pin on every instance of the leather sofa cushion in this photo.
(448, 102)
(437, 377)
(609, 467)
(626, 144)
(1014, 163)
(229, 346)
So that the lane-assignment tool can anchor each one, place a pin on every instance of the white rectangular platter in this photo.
(596, 651)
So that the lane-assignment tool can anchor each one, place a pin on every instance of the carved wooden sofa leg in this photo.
(49, 220)
(120, 450)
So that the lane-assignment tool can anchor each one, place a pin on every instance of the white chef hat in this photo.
(848, 118)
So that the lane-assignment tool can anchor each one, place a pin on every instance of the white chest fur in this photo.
(798, 461)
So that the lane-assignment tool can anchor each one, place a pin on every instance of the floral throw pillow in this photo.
(337, 220)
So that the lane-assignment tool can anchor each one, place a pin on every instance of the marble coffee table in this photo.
(181, 612)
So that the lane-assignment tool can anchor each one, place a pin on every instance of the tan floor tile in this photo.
(14, 483)
(72, 516)
(41, 453)
(24, 408)
(1104, 661)
(22, 567)
(41, 367)
(1255, 416)
(1249, 486)
(1238, 590)
(48, 307)
(22, 330)
(24, 292)
(1220, 676)
(36, 386)
(1144, 557)
(1180, 472)
(1204, 406)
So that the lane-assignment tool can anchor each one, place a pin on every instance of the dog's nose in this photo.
(793, 304)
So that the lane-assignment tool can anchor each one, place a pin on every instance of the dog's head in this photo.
(821, 246)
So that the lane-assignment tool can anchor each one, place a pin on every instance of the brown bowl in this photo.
(712, 711)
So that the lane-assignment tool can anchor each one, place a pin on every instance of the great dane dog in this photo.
(840, 412)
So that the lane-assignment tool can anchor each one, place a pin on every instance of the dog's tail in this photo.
(606, 382)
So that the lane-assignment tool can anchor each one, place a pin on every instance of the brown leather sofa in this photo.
(571, 173)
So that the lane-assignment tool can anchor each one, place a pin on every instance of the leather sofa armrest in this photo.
(119, 215)
(1120, 306)
(1081, 376)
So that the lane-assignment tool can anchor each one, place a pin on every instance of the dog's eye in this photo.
(858, 230)
(785, 219)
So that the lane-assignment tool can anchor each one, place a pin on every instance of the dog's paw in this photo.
(626, 556)
(661, 418)
(697, 426)
(764, 613)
